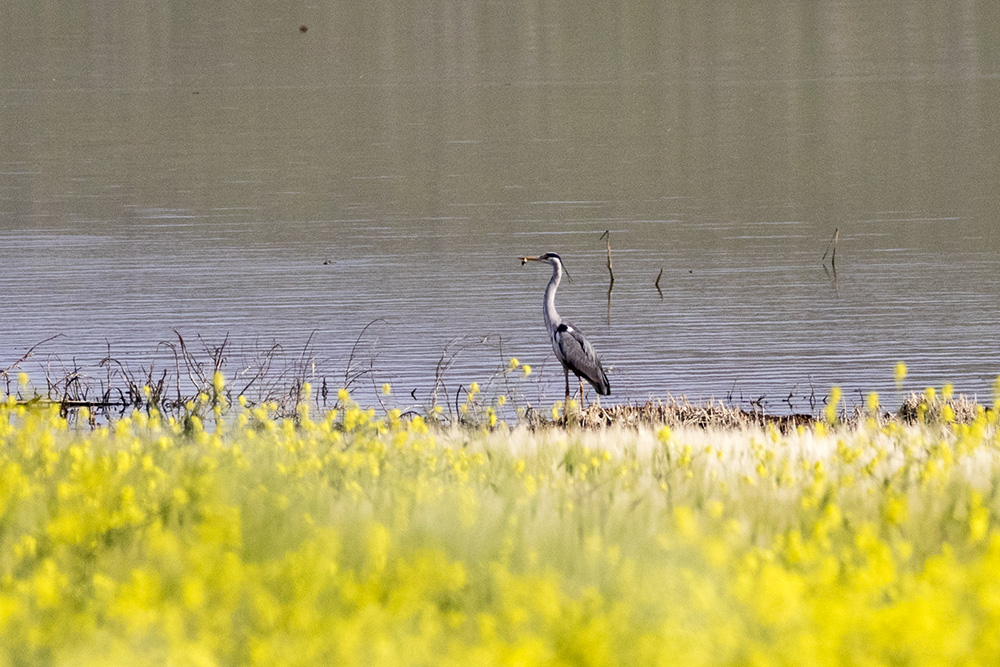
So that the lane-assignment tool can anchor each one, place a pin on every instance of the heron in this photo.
(572, 348)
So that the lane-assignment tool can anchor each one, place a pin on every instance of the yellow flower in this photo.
(900, 373)
(527, 370)
(831, 407)
(218, 382)
(514, 363)
(386, 389)
(895, 510)
(979, 518)
(685, 521)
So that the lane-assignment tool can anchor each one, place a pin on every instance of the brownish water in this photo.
(210, 168)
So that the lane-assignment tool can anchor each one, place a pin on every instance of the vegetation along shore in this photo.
(231, 532)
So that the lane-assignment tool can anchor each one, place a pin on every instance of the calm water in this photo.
(209, 168)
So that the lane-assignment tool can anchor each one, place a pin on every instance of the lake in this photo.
(213, 169)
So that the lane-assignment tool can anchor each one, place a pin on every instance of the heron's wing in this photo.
(579, 356)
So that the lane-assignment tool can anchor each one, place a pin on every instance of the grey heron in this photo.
(572, 348)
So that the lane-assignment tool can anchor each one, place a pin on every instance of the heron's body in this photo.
(571, 347)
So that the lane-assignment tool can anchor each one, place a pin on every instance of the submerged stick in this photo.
(610, 287)
(607, 234)
(832, 244)
(657, 283)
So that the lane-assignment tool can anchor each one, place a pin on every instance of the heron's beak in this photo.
(525, 260)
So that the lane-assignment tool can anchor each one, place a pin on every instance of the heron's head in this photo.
(548, 258)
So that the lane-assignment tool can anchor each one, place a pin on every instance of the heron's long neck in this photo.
(552, 318)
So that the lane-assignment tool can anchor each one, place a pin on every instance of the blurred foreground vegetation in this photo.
(235, 536)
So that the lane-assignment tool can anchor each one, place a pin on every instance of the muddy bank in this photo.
(715, 414)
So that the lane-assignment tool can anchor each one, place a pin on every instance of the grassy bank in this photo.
(232, 536)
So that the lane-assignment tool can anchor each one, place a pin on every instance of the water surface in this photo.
(213, 170)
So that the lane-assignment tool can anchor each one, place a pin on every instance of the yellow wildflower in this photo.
(900, 373)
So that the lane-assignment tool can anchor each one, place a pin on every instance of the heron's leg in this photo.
(566, 404)
(581, 394)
